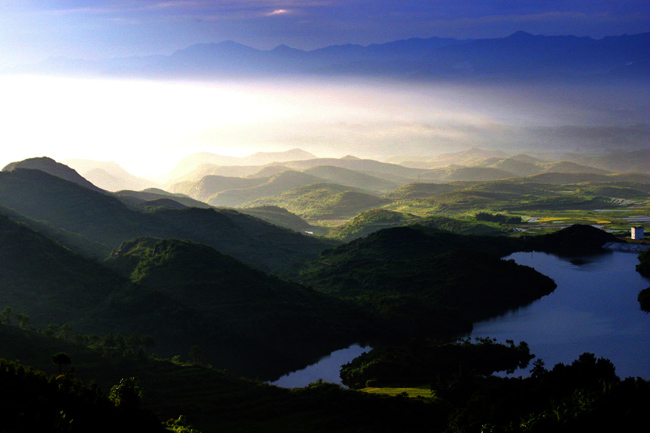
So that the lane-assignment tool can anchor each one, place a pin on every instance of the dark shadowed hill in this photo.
(417, 277)
(223, 304)
(108, 222)
(48, 282)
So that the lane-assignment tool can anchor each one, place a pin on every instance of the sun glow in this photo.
(146, 125)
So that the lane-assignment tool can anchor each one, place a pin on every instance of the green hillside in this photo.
(278, 216)
(140, 198)
(276, 184)
(460, 173)
(324, 201)
(46, 281)
(208, 186)
(226, 307)
(368, 166)
(378, 219)
(352, 178)
(179, 292)
(425, 281)
(369, 222)
(422, 190)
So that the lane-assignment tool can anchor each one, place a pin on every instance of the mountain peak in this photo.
(50, 166)
(520, 34)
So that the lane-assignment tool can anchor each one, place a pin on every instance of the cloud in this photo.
(279, 12)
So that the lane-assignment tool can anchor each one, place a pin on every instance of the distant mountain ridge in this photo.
(194, 161)
(108, 175)
(520, 55)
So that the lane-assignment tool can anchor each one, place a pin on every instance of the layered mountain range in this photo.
(518, 56)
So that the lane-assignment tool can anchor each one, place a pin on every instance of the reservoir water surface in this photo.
(594, 309)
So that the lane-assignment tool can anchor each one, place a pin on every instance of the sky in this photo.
(148, 126)
(33, 30)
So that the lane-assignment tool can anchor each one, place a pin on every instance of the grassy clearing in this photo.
(394, 392)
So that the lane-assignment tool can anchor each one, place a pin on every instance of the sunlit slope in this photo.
(107, 221)
(208, 186)
(146, 198)
(378, 219)
(622, 161)
(355, 179)
(369, 222)
(518, 194)
(321, 201)
(276, 184)
(422, 190)
(367, 166)
(573, 178)
(278, 216)
(459, 173)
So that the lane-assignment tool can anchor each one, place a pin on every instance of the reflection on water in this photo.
(594, 309)
(327, 368)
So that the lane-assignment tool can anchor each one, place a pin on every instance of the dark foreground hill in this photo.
(179, 292)
(47, 281)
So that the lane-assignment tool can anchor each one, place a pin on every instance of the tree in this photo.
(538, 368)
(64, 331)
(52, 330)
(61, 359)
(7, 315)
(195, 353)
(23, 321)
(127, 394)
(147, 341)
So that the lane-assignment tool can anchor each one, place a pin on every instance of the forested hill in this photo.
(427, 281)
(46, 281)
(415, 275)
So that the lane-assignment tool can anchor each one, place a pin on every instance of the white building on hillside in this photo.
(637, 233)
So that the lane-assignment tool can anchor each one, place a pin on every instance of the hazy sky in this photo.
(32, 30)
(148, 126)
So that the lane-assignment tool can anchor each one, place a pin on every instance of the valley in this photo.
(193, 284)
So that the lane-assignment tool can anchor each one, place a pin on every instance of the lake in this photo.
(327, 368)
(594, 309)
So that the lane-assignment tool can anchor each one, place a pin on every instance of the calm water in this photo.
(594, 309)
(327, 368)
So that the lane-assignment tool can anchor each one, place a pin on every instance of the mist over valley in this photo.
(200, 198)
